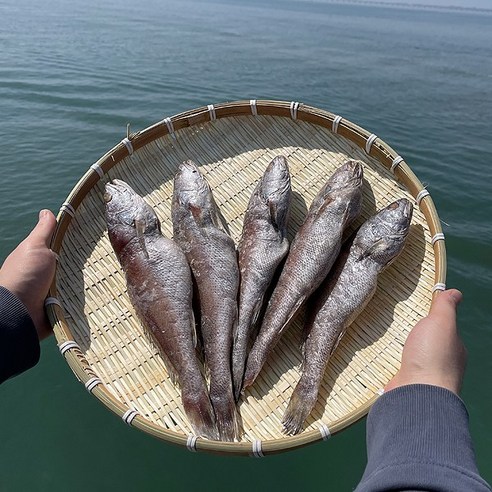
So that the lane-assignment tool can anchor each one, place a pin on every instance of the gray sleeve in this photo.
(418, 439)
(19, 342)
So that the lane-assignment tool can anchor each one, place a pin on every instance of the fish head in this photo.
(383, 236)
(127, 214)
(192, 195)
(190, 187)
(348, 176)
(276, 181)
(342, 193)
(344, 190)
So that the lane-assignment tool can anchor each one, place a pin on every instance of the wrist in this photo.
(440, 380)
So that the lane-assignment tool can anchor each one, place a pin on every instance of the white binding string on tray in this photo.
(170, 127)
(92, 383)
(52, 300)
(325, 432)
(422, 194)
(191, 443)
(66, 207)
(396, 161)
(257, 451)
(254, 109)
(439, 236)
(336, 122)
(129, 416)
(370, 141)
(126, 142)
(98, 169)
(211, 111)
(439, 286)
(68, 345)
(294, 106)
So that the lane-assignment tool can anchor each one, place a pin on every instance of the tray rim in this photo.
(369, 142)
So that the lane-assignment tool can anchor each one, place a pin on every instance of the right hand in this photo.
(434, 353)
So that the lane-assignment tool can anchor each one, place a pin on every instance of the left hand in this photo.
(29, 270)
(434, 353)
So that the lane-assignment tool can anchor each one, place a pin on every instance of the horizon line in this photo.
(416, 5)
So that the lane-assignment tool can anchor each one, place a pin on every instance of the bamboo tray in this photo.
(96, 327)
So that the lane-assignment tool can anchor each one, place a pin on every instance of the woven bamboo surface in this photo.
(233, 147)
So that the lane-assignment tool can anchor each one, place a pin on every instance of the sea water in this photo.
(73, 74)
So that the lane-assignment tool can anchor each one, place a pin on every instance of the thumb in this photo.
(44, 229)
(444, 307)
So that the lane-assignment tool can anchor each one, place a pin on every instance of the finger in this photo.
(445, 305)
(44, 229)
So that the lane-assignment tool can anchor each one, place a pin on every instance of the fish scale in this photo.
(262, 247)
(342, 297)
(211, 253)
(160, 288)
(311, 256)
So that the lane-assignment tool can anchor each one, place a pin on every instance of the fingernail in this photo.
(456, 295)
(43, 213)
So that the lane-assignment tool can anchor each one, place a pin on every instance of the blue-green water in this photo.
(72, 74)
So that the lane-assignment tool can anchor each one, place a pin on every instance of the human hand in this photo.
(29, 270)
(434, 353)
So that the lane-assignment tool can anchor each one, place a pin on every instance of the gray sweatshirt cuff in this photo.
(19, 342)
(418, 438)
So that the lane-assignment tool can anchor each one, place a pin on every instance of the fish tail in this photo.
(200, 413)
(254, 364)
(300, 405)
(277, 319)
(227, 417)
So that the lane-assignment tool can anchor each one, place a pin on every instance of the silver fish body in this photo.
(342, 297)
(311, 256)
(262, 247)
(160, 289)
(211, 253)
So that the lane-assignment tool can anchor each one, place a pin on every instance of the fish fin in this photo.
(196, 212)
(335, 345)
(256, 312)
(206, 368)
(173, 375)
(194, 335)
(320, 199)
(324, 205)
(300, 405)
(258, 354)
(200, 353)
(218, 219)
(200, 413)
(228, 420)
(306, 330)
(140, 228)
(238, 363)
(243, 340)
(376, 248)
(346, 213)
(292, 313)
(273, 209)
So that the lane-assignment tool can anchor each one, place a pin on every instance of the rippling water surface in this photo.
(72, 74)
